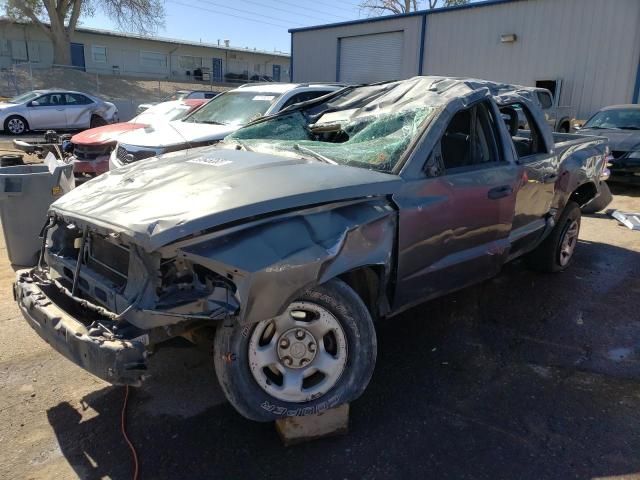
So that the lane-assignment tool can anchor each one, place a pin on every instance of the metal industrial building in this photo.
(588, 51)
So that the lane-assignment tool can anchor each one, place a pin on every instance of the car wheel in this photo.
(320, 353)
(564, 128)
(601, 202)
(97, 121)
(15, 125)
(555, 253)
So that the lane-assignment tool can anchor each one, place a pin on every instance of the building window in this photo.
(153, 60)
(99, 54)
(186, 62)
(19, 50)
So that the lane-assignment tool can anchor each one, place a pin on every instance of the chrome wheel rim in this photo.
(300, 355)
(15, 125)
(569, 241)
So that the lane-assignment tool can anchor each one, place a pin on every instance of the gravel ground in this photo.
(526, 376)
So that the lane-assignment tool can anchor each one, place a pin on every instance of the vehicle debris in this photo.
(629, 220)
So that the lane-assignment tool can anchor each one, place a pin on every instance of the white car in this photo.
(212, 122)
(55, 109)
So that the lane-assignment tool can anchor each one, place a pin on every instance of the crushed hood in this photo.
(158, 201)
(105, 134)
(165, 134)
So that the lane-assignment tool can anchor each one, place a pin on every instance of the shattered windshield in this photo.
(362, 139)
(234, 108)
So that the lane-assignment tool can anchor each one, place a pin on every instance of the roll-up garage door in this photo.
(371, 58)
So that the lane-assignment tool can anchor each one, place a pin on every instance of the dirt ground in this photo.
(526, 376)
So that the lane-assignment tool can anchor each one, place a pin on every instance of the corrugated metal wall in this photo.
(316, 51)
(592, 45)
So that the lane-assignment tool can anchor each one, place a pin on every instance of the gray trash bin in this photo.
(26, 191)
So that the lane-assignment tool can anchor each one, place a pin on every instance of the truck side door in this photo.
(454, 223)
(538, 172)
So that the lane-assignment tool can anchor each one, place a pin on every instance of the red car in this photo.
(91, 148)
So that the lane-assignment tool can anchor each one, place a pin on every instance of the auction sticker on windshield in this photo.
(212, 161)
(264, 98)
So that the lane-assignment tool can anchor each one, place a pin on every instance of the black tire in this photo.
(600, 202)
(564, 128)
(231, 359)
(547, 256)
(97, 121)
(16, 125)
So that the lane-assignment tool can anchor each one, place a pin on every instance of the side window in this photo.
(545, 100)
(527, 141)
(209, 95)
(470, 139)
(77, 99)
(49, 100)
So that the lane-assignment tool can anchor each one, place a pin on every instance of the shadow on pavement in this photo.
(526, 376)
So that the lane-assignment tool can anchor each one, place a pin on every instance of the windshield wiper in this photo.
(209, 122)
(630, 128)
(314, 154)
(243, 145)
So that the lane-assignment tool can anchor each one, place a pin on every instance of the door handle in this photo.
(500, 192)
(552, 177)
(60, 109)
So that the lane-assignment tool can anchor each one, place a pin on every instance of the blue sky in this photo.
(260, 24)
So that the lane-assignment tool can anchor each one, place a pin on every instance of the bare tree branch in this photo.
(398, 7)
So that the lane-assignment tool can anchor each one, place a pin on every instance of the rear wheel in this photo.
(15, 125)
(318, 354)
(564, 128)
(555, 253)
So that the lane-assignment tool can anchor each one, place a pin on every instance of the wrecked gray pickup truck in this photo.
(284, 243)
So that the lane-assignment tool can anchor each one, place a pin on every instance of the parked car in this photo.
(290, 238)
(181, 95)
(55, 110)
(621, 125)
(221, 116)
(91, 148)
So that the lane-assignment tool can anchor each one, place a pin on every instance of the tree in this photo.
(398, 7)
(58, 19)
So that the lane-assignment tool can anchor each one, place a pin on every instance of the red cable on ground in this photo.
(124, 433)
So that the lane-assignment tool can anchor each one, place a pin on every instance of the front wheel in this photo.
(555, 253)
(320, 353)
(15, 125)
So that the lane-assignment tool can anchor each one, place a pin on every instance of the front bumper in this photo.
(120, 361)
(87, 169)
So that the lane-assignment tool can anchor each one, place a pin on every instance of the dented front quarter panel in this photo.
(273, 261)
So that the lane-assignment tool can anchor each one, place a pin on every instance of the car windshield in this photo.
(626, 119)
(375, 141)
(234, 108)
(25, 97)
(164, 111)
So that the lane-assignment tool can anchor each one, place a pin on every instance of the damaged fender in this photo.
(272, 261)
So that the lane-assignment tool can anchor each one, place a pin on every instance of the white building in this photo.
(587, 51)
(106, 52)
